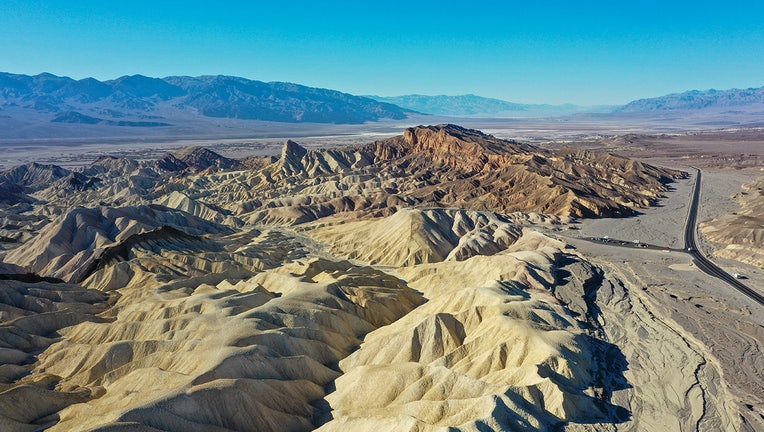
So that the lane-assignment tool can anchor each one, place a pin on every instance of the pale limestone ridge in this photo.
(67, 247)
(297, 162)
(33, 176)
(253, 354)
(518, 340)
(194, 159)
(416, 236)
(30, 316)
(113, 166)
(180, 201)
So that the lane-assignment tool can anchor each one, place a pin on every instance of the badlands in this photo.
(439, 280)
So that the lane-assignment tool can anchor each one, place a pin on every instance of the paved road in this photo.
(703, 263)
(630, 244)
(691, 247)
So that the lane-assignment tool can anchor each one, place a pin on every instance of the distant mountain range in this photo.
(698, 100)
(140, 101)
(472, 105)
(47, 106)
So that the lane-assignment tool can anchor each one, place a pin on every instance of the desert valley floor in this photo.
(437, 279)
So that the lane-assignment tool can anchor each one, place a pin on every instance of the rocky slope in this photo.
(16, 183)
(440, 166)
(436, 166)
(407, 284)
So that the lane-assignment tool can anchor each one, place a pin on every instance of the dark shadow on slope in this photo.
(323, 409)
(577, 286)
(607, 377)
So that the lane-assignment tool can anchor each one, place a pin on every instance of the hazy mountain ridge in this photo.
(89, 101)
(473, 105)
(47, 106)
(478, 106)
(468, 104)
(697, 100)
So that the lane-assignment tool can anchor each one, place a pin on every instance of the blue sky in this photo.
(584, 52)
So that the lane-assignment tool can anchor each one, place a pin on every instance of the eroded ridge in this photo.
(417, 283)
